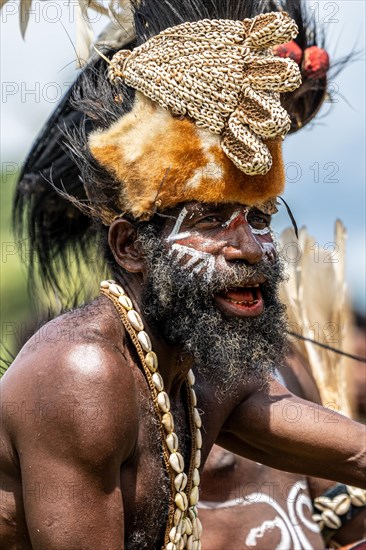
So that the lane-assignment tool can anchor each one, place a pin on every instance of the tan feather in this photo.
(318, 308)
(25, 6)
(98, 7)
(118, 32)
(84, 32)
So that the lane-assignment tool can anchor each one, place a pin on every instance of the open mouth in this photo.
(245, 301)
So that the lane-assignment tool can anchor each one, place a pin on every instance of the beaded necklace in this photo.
(183, 530)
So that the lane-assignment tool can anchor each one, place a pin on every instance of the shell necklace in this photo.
(183, 530)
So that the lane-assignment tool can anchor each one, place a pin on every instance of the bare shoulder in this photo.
(73, 383)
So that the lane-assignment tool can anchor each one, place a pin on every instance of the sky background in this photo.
(325, 163)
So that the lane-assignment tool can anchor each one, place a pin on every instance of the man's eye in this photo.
(209, 221)
(257, 221)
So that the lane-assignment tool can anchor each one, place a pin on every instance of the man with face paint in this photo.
(105, 433)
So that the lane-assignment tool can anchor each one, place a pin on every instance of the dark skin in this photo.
(86, 463)
(228, 479)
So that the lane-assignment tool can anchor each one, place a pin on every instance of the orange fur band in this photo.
(163, 160)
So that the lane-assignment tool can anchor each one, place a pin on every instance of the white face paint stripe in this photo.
(202, 259)
(232, 217)
(175, 235)
(264, 231)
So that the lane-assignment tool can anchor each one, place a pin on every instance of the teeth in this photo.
(242, 303)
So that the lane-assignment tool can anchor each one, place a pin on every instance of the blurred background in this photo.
(325, 162)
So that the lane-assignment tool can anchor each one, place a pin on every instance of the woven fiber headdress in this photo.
(209, 98)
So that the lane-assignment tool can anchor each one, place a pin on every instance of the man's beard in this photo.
(181, 306)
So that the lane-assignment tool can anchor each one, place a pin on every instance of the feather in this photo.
(319, 315)
(98, 7)
(84, 32)
(25, 6)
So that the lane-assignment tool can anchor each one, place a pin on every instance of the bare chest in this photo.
(145, 481)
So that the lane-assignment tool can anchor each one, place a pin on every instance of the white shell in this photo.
(196, 477)
(358, 496)
(182, 527)
(125, 302)
(331, 519)
(188, 524)
(163, 401)
(192, 512)
(198, 439)
(151, 360)
(158, 381)
(177, 516)
(181, 501)
(116, 290)
(135, 320)
(323, 503)
(318, 520)
(180, 482)
(197, 459)
(190, 543)
(171, 546)
(168, 422)
(144, 340)
(106, 284)
(195, 529)
(193, 497)
(172, 442)
(193, 397)
(197, 418)
(199, 527)
(177, 462)
(191, 377)
(343, 503)
(174, 535)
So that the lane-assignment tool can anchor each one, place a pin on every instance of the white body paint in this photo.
(200, 260)
(286, 521)
(233, 216)
(264, 231)
(175, 235)
(203, 260)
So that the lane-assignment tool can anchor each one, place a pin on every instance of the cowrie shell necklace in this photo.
(184, 529)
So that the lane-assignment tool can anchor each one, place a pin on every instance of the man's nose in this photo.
(242, 245)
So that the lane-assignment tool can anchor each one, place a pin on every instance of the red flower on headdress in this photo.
(289, 49)
(315, 63)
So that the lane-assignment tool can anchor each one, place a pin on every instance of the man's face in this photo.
(205, 239)
(211, 288)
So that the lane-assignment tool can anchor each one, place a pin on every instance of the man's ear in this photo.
(126, 251)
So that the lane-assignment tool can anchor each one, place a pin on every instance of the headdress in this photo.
(209, 97)
(54, 226)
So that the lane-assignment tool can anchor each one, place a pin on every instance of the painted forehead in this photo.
(198, 208)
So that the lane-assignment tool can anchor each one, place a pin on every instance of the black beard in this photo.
(225, 349)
